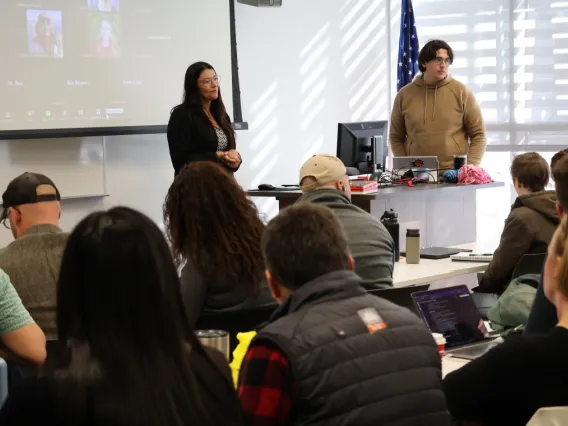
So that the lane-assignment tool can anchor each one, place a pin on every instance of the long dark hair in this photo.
(192, 100)
(211, 221)
(119, 309)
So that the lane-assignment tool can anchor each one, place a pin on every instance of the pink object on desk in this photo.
(472, 175)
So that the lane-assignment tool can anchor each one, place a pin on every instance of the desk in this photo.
(444, 213)
(450, 364)
(429, 270)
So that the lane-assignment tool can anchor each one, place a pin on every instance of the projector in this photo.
(261, 3)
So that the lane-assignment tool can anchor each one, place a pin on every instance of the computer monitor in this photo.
(363, 145)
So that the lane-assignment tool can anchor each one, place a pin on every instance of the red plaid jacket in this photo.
(266, 387)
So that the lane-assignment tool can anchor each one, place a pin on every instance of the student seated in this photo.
(332, 353)
(215, 229)
(530, 224)
(323, 180)
(32, 211)
(132, 359)
(543, 313)
(512, 381)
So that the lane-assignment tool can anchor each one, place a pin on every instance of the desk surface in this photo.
(450, 364)
(429, 270)
(382, 193)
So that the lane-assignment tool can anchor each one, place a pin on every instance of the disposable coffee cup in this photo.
(440, 343)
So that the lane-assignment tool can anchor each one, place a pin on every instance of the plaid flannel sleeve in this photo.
(266, 387)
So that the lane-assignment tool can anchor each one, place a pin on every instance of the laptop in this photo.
(452, 312)
(401, 296)
(437, 253)
(422, 167)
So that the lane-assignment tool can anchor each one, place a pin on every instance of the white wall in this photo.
(304, 68)
(138, 174)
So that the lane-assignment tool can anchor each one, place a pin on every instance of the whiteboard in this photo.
(76, 165)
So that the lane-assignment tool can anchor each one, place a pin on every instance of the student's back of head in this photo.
(560, 174)
(305, 242)
(120, 312)
(530, 173)
(212, 222)
(556, 158)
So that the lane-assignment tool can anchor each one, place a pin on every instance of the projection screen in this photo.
(105, 64)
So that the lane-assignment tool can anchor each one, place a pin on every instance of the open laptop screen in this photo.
(452, 312)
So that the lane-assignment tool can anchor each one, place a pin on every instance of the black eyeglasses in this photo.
(439, 60)
(5, 215)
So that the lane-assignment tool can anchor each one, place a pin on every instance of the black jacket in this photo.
(543, 316)
(346, 373)
(55, 400)
(507, 385)
(192, 137)
(201, 297)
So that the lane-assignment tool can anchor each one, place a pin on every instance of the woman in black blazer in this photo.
(200, 128)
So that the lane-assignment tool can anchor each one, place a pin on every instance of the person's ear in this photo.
(340, 186)
(275, 289)
(15, 215)
(351, 263)
(560, 210)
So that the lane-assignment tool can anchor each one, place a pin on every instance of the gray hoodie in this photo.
(370, 243)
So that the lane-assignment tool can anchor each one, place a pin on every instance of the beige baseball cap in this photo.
(324, 168)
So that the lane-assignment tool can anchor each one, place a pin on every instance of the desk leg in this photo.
(285, 202)
(363, 204)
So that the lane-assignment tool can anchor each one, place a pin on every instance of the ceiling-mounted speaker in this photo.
(261, 3)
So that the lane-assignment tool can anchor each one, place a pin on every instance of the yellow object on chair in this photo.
(239, 354)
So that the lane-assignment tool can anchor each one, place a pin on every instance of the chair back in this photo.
(236, 321)
(529, 264)
(3, 381)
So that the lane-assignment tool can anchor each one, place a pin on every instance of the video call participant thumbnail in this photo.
(45, 37)
(104, 33)
(104, 5)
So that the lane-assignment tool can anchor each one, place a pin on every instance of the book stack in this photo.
(362, 186)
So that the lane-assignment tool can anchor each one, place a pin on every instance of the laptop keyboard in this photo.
(475, 351)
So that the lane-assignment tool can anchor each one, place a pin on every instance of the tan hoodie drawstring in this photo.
(426, 103)
(435, 96)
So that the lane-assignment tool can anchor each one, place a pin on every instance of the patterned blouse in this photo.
(223, 141)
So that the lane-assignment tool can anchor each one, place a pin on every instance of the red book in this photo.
(363, 185)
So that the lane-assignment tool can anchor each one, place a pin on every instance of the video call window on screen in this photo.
(46, 35)
(101, 63)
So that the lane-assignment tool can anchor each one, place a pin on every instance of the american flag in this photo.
(407, 66)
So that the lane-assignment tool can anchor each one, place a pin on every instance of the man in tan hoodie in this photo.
(435, 114)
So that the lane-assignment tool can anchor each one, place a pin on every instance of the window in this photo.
(541, 61)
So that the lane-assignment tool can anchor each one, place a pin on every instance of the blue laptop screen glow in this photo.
(451, 312)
